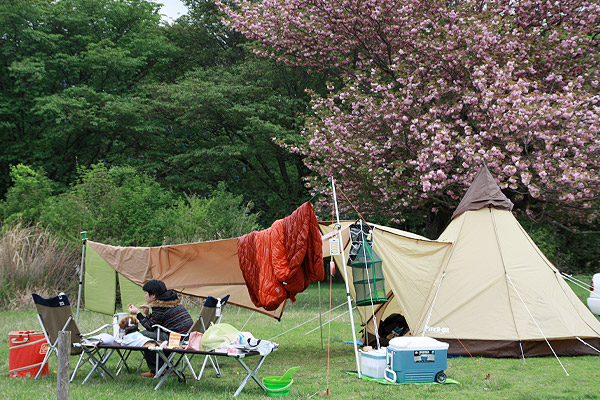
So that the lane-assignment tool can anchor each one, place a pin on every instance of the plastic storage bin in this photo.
(416, 359)
(373, 363)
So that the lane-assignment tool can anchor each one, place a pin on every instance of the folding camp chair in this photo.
(55, 315)
(210, 314)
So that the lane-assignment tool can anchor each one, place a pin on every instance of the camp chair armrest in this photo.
(103, 327)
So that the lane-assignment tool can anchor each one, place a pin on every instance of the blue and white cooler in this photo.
(416, 359)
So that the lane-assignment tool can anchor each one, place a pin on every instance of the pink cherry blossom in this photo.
(434, 89)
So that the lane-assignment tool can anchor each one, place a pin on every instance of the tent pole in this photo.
(83, 240)
(337, 215)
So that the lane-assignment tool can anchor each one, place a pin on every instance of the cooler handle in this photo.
(25, 336)
(392, 372)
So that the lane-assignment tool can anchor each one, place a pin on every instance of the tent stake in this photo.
(337, 216)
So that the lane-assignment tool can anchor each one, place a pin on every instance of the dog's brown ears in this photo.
(127, 321)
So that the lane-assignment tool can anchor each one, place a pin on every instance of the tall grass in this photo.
(32, 259)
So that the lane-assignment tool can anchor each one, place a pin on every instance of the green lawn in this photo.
(533, 378)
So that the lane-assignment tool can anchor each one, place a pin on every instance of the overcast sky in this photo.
(173, 9)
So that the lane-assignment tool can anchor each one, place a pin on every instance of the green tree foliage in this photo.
(203, 39)
(121, 206)
(26, 198)
(117, 205)
(222, 216)
(87, 81)
(222, 119)
(569, 251)
(222, 125)
(69, 75)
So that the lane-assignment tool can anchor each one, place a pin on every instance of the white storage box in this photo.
(373, 363)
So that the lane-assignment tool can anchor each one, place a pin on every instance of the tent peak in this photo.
(484, 191)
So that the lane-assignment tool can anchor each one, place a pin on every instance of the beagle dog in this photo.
(129, 324)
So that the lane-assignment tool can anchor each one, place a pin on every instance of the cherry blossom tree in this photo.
(434, 89)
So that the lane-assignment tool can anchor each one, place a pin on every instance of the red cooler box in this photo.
(26, 352)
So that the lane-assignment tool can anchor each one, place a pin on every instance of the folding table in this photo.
(169, 355)
(173, 361)
(99, 360)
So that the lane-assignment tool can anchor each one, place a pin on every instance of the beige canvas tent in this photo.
(497, 292)
(483, 286)
(410, 263)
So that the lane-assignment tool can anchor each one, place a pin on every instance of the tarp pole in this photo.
(83, 240)
(337, 216)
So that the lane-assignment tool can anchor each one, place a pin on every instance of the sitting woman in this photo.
(133, 336)
(167, 311)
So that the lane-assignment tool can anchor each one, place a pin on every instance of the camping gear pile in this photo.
(407, 359)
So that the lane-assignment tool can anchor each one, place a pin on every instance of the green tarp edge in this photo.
(131, 293)
(100, 283)
(101, 286)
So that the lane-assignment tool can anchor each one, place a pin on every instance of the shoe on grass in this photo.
(148, 374)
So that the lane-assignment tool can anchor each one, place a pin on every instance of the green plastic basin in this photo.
(277, 387)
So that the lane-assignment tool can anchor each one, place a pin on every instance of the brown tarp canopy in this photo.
(196, 269)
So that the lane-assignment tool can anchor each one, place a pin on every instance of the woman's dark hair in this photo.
(155, 287)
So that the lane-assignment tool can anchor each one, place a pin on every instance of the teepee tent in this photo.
(483, 286)
(496, 294)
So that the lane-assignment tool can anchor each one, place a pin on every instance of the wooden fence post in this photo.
(64, 365)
